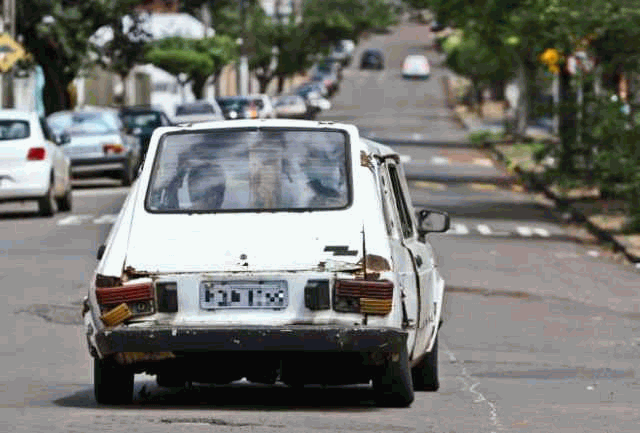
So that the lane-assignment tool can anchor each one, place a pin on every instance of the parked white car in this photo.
(198, 111)
(32, 163)
(416, 66)
(291, 107)
(263, 105)
(250, 248)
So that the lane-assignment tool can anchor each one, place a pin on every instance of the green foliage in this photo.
(61, 44)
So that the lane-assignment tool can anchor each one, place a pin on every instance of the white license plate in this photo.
(243, 294)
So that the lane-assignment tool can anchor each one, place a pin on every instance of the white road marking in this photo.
(524, 231)
(458, 229)
(484, 229)
(73, 220)
(485, 162)
(439, 160)
(542, 232)
(106, 219)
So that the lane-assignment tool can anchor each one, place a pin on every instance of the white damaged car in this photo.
(271, 250)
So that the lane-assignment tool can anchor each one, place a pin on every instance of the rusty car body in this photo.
(301, 249)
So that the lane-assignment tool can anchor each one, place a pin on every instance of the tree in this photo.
(57, 34)
(125, 48)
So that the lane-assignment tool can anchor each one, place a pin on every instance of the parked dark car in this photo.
(236, 107)
(141, 121)
(372, 59)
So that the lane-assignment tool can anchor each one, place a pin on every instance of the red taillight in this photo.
(363, 296)
(379, 289)
(129, 293)
(112, 148)
(36, 154)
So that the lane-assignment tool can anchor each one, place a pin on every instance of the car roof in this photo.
(416, 57)
(13, 114)
(141, 109)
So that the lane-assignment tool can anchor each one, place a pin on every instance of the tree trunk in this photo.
(197, 86)
(263, 82)
(56, 97)
(567, 125)
(281, 79)
(522, 108)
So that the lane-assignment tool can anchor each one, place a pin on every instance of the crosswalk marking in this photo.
(439, 160)
(73, 220)
(460, 229)
(106, 219)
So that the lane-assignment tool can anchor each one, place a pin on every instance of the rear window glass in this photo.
(14, 129)
(141, 120)
(270, 169)
(183, 110)
(83, 123)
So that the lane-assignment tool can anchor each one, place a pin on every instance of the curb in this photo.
(532, 183)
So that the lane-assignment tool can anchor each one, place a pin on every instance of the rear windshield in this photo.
(14, 129)
(271, 169)
(233, 104)
(83, 123)
(183, 110)
(142, 120)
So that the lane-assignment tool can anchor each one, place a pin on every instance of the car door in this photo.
(401, 231)
(419, 263)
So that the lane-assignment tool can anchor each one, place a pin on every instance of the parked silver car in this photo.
(198, 111)
(99, 144)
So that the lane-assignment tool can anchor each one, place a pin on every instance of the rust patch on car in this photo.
(366, 160)
(130, 273)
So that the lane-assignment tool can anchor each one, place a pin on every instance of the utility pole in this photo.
(7, 25)
(244, 61)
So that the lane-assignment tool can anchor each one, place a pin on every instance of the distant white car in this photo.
(198, 111)
(263, 105)
(416, 66)
(291, 107)
(250, 248)
(32, 163)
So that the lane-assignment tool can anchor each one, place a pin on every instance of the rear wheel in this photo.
(47, 204)
(65, 202)
(425, 374)
(112, 383)
(394, 387)
(128, 174)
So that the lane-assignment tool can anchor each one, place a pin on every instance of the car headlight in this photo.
(233, 114)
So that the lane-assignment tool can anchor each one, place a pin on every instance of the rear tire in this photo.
(128, 174)
(47, 204)
(112, 383)
(394, 387)
(425, 374)
(66, 201)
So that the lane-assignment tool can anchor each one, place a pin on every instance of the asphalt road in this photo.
(540, 333)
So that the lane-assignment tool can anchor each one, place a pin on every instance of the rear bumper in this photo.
(250, 339)
(98, 165)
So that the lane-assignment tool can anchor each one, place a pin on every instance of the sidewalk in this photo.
(604, 219)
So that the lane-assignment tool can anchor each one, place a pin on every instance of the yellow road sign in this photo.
(10, 52)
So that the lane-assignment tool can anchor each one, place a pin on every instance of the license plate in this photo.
(243, 294)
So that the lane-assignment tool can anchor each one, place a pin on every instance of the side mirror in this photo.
(62, 138)
(432, 221)
(100, 252)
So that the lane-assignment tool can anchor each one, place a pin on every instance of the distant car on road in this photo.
(292, 107)
(141, 121)
(33, 165)
(416, 66)
(198, 111)
(260, 246)
(263, 105)
(237, 107)
(372, 59)
(343, 51)
(100, 144)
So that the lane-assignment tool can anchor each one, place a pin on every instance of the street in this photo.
(540, 333)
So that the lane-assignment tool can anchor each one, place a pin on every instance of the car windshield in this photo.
(270, 169)
(233, 104)
(186, 110)
(83, 123)
(141, 120)
(14, 129)
(288, 100)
